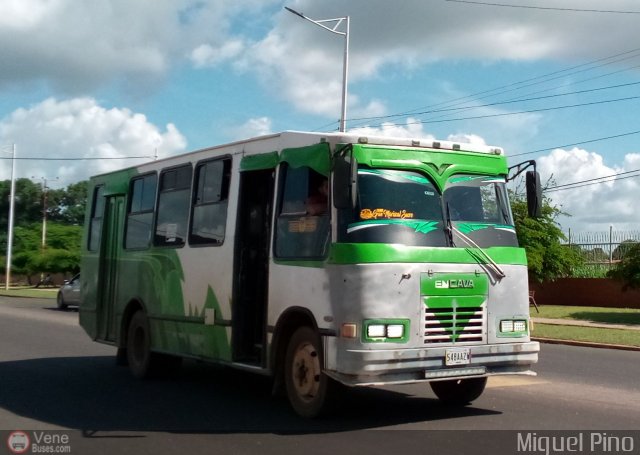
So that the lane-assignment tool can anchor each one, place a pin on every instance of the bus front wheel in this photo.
(459, 392)
(139, 355)
(305, 382)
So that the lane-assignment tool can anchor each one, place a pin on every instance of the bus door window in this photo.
(318, 201)
(97, 213)
(303, 218)
(140, 212)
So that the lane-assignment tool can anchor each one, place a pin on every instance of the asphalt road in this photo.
(53, 377)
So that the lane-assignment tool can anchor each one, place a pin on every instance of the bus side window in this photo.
(142, 198)
(210, 202)
(302, 229)
(97, 212)
(173, 206)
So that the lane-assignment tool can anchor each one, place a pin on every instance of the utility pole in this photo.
(45, 191)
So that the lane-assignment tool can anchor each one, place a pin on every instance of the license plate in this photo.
(457, 356)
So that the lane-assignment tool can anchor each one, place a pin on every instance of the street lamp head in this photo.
(294, 12)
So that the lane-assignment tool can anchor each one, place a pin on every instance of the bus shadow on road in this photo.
(91, 394)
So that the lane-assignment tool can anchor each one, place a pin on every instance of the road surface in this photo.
(54, 378)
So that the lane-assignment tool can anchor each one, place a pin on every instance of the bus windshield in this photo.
(397, 206)
(405, 207)
(479, 208)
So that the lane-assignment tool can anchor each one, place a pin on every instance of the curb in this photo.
(587, 344)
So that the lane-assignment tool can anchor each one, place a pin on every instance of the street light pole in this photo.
(345, 63)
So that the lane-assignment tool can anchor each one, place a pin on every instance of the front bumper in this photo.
(398, 366)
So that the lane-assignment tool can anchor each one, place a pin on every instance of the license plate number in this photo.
(457, 356)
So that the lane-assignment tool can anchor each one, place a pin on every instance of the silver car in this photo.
(69, 293)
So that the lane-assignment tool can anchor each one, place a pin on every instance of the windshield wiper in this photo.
(491, 264)
(449, 228)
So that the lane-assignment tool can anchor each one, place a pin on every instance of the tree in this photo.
(628, 269)
(621, 250)
(547, 257)
(61, 255)
(67, 205)
(28, 202)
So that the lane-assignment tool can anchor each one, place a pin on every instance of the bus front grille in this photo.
(454, 325)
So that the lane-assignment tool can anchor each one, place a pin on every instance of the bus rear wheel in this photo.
(459, 392)
(306, 384)
(139, 355)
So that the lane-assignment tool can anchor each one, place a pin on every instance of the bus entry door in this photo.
(108, 270)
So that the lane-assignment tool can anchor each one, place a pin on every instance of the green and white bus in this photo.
(315, 259)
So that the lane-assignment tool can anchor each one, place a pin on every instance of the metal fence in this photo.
(604, 248)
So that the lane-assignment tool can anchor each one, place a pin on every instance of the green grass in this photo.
(587, 334)
(45, 293)
(593, 314)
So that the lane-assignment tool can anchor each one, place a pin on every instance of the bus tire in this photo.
(139, 355)
(459, 392)
(305, 383)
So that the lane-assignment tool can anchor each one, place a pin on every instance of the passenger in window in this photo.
(318, 202)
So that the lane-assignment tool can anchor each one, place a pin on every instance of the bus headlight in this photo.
(385, 330)
(513, 327)
(376, 331)
(506, 326)
(395, 331)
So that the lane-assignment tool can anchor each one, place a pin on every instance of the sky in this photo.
(89, 87)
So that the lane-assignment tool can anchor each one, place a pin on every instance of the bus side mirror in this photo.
(345, 173)
(534, 194)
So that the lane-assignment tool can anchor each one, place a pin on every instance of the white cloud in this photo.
(79, 46)
(206, 55)
(598, 206)
(410, 129)
(254, 127)
(466, 138)
(80, 128)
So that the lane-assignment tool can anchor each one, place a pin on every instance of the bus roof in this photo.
(292, 139)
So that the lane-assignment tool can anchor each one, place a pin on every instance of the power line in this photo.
(520, 85)
(503, 114)
(580, 10)
(517, 100)
(579, 185)
(626, 55)
(595, 179)
(39, 158)
(577, 143)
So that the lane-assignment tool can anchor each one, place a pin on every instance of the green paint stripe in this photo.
(359, 253)
(466, 228)
(421, 226)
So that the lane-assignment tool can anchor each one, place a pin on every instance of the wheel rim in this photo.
(306, 372)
